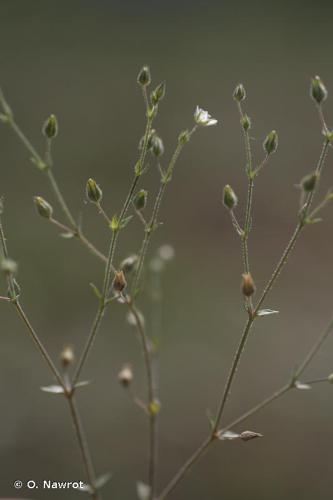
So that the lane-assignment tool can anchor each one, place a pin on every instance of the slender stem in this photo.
(316, 381)
(146, 349)
(83, 445)
(60, 198)
(185, 468)
(317, 345)
(102, 212)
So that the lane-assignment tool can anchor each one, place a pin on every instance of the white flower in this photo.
(203, 118)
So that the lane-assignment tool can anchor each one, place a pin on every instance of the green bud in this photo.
(239, 93)
(144, 78)
(230, 199)
(93, 191)
(140, 200)
(43, 207)
(183, 137)
(309, 182)
(157, 146)
(50, 128)
(271, 142)
(129, 264)
(8, 266)
(318, 90)
(246, 122)
(158, 94)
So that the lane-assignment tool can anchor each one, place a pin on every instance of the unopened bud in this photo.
(93, 191)
(140, 200)
(248, 286)
(119, 282)
(318, 90)
(157, 146)
(129, 264)
(125, 376)
(271, 142)
(67, 356)
(309, 182)
(229, 197)
(8, 266)
(183, 137)
(144, 77)
(158, 94)
(50, 128)
(239, 93)
(246, 122)
(43, 207)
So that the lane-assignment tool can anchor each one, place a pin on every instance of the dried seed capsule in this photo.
(93, 191)
(239, 93)
(271, 142)
(144, 77)
(230, 199)
(125, 376)
(50, 128)
(67, 356)
(140, 199)
(119, 282)
(309, 182)
(43, 207)
(318, 90)
(248, 286)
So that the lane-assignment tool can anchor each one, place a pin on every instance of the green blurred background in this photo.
(79, 60)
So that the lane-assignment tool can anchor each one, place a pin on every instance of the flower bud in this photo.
(50, 128)
(43, 207)
(119, 282)
(93, 191)
(140, 200)
(248, 286)
(309, 182)
(129, 264)
(318, 90)
(144, 78)
(271, 142)
(230, 199)
(183, 137)
(246, 122)
(158, 94)
(157, 146)
(67, 356)
(239, 93)
(125, 376)
(8, 266)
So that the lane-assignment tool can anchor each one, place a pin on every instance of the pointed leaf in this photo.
(228, 435)
(102, 480)
(53, 389)
(83, 383)
(143, 491)
(96, 291)
(67, 236)
(301, 386)
(266, 312)
(125, 221)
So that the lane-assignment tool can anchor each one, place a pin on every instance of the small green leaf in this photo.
(67, 236)
(266, 312)
(102, 480)
(82, 384)
(96, 291)
(125, 221)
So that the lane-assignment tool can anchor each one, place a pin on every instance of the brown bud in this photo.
(125, 376)
(119, 282)
(67, 356)
(248, 435)
(248, 286)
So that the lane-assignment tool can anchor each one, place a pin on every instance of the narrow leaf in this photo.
(67, 236)
(83, 383)
(53, 389)
(228, 435)
(266, 312)
(125, 221)
(96, 291)
(102, 480)
(301, 386)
